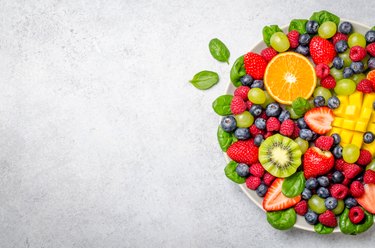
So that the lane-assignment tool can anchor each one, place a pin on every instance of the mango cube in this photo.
(348, 124)
(344, 101)
(346, 136)
(357, 139)
(335, 130)
(360, 126)
(371, 127)
(366, 113)
(356, 99)
(351, 111)
(337, 122)
(368, 100)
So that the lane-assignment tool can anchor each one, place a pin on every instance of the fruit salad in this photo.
(300, 126)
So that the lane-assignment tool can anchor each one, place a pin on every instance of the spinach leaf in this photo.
(299, 25)
(218, 50)
(293, 185)
(300, 106)
(204, 80)
(230, 172)
(222, 105)
(347, 227)
(322, 229)
(225, 139)
(237, 71)
(283, 219)
(268, 31)
(323, 16)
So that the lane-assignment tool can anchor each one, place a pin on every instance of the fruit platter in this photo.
(297, 124)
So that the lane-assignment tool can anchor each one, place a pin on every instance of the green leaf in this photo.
(225, 139)
(219, 50)
(323, 16)
(283, 219)
(300, 106)
(230, 172)
(293, 185)
(322, 229)
(347, 227)
(298, 25)
(268, 31)
(237, 71)
(222, 105)
(204, 80)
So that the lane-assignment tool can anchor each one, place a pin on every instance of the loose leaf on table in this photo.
(293, 185)
(300, 106)
(323, 16)
(237, 71)
(268, 31)
(230, 172)
(219, 50)
(225, 139)
(204, 80)
(322, 229)
(298, 25)
(283, 219)
(222, 105)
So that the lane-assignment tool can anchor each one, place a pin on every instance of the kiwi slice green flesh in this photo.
(280, 155)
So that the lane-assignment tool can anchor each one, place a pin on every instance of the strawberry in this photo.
(324, 142)
(356, 214)
(293, 37)
(371, 49)
(339, 36)
(287, 127)
(275, 200)
(351, 170)
(369, 177)
(367, 200)
(322, 70)
(317, 162)
(255, 65)
(328, 218)
(237, 106)
(243, 152)
(301, 208)
(328, 82)
(242, 92)
(365, 157)
(365, 86)
(321, 50)
(356, 189)
(268, 53)
(319, 119)
(339, 191)
(357, 53)
(257, 170)
(253, 182)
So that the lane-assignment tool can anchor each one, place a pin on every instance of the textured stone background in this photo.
(103, 141)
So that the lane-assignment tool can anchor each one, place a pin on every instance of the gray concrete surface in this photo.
(103, 142)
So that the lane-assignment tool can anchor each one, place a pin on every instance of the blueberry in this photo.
(306, 194)
(348, 72)
(331, 203)
(312, 27)
(258, 140)
(260, 123)
(370, 36)
(301, 123)
(345, 28)
(311, 183)
(333, 102)
(257, 84)
(246, 80)
(368, 137)
(228, 123)
(322, 192)
(314, 135)
(261, 190)
(350, 202)
(336, 138)
(242, 133)
(304, 50)
(338, 63)
(273, 109)
(255, 110)
(242, 170)
(319, 101)
(306, 134)
(337, 177)
(357, 67)
(323, 181)
(341, 46)
(304, 39)
(284, 115)
(337, 151)
(371, 63)
(311, 217)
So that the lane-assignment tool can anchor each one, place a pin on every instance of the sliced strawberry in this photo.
(319, 119)
(275, 200)
(367, 200)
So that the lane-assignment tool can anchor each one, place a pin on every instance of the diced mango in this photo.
(348, 124)
(371, 127)
(335, 130)
(357, 139)
(351, 111)
(346, 136)
(366, 113)
(340, 111)
(372, 116)
(356, 99)
(360, 126)
(337, 122)
(368, 100)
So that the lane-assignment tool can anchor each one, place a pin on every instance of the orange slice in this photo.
(288, 76)
(371, 75)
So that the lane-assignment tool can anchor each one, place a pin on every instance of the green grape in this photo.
(280, 42)
(340, 207)
(358, 77)
(345, 87)
(356, 39)
(256, 96)
(336, 74)
(327, 29)
(269, 99)
(293, 114)
(244, 120)
(303, 144)
(350, 153)
(345, 56)
(316, 204)
(371, 166)
(364, 61)
(321, 91)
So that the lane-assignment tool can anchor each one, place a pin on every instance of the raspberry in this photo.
(340, 164)
(293, 37)
(346, 181)
(322, 70)
(255, 131)
(328, 82)
(365, 158)
(273, 124)
(268, 134)
(328, 218)
(324, 142)
(249, 104)
(301, 207)
(268, 53)
(253, 182)
(237, 106)
(339, 36)
(287, 127)
(357, 53)
(365, 86)
(257, 170)
(369, 177)
(263, 115)
(371, 49)
(357, 189)
(356, 214)
(339, 191)
(268, 178)
(242, 92)
(255, 65)
(351, 170)
(296, 130)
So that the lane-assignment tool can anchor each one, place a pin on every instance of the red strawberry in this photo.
(268, 178)
(301, 208)
(242, 92)
(356, 214)
(356, 189)
(255, 65)
(371, 49)
(351, 170)
(257, 170)
(365, 157)
(321, 50)
(328, 218)
(253, 182)
(357, 53)
(317, 162)
(272, 124)
(324, 142)
(339, 36)
(322, 70)
(293, 37)
(328, 82)
(243, 152)
(275, 200)
(268, 53)
(367, 200)
(339, 191)
(287, 127)
(369, 177)
(365, 86)
(237, 106)
(319, 119)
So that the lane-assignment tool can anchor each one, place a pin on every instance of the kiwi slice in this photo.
(280, 156)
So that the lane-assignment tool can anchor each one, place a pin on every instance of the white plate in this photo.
(301, 223)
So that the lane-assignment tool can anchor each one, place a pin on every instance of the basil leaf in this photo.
(204, 80)
(323, 16)
(298, 25)
(300, 106)
(230, 172)
(225, 139)
(283, 219)
(322, 229)
(222, 105)
(218, 50)
(293, 185)
(268, 31)
(237, 71)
